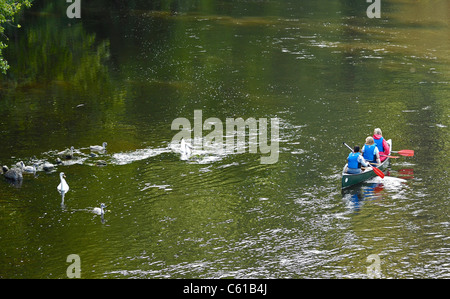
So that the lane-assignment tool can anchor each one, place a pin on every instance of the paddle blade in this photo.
(407, 153)
(378, 172)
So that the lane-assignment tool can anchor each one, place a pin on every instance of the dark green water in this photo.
(123, 72)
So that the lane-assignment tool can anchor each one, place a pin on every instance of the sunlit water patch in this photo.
(137, 155)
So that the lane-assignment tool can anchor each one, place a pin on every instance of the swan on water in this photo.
(29, 169)
(99, 211)
(186, 149)
(67, 154)
(99, 148)
(47, 166)
(14, 173)
(63, 187)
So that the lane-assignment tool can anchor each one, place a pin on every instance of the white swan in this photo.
(63, 187)
(186, 149)
(99, 211)
(99, 148)
(29, 169)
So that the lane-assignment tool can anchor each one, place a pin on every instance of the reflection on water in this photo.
(406, 173)
(373, 189)
(328, 73)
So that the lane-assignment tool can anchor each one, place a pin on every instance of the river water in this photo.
(123, 72)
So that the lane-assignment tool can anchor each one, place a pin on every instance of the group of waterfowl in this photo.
(70, 153)
(15, 174)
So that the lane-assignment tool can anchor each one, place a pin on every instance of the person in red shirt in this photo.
(382, 145)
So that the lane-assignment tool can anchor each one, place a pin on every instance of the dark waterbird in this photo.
(13, 174)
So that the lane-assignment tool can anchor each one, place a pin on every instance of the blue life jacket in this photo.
(369, 151)
(379, 143)
(353, 160)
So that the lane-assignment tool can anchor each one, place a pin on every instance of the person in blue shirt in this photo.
(370, 151)
(355, 161)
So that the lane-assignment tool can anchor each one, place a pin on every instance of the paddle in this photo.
(407, 153)
(376, 170)
(394, 157)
